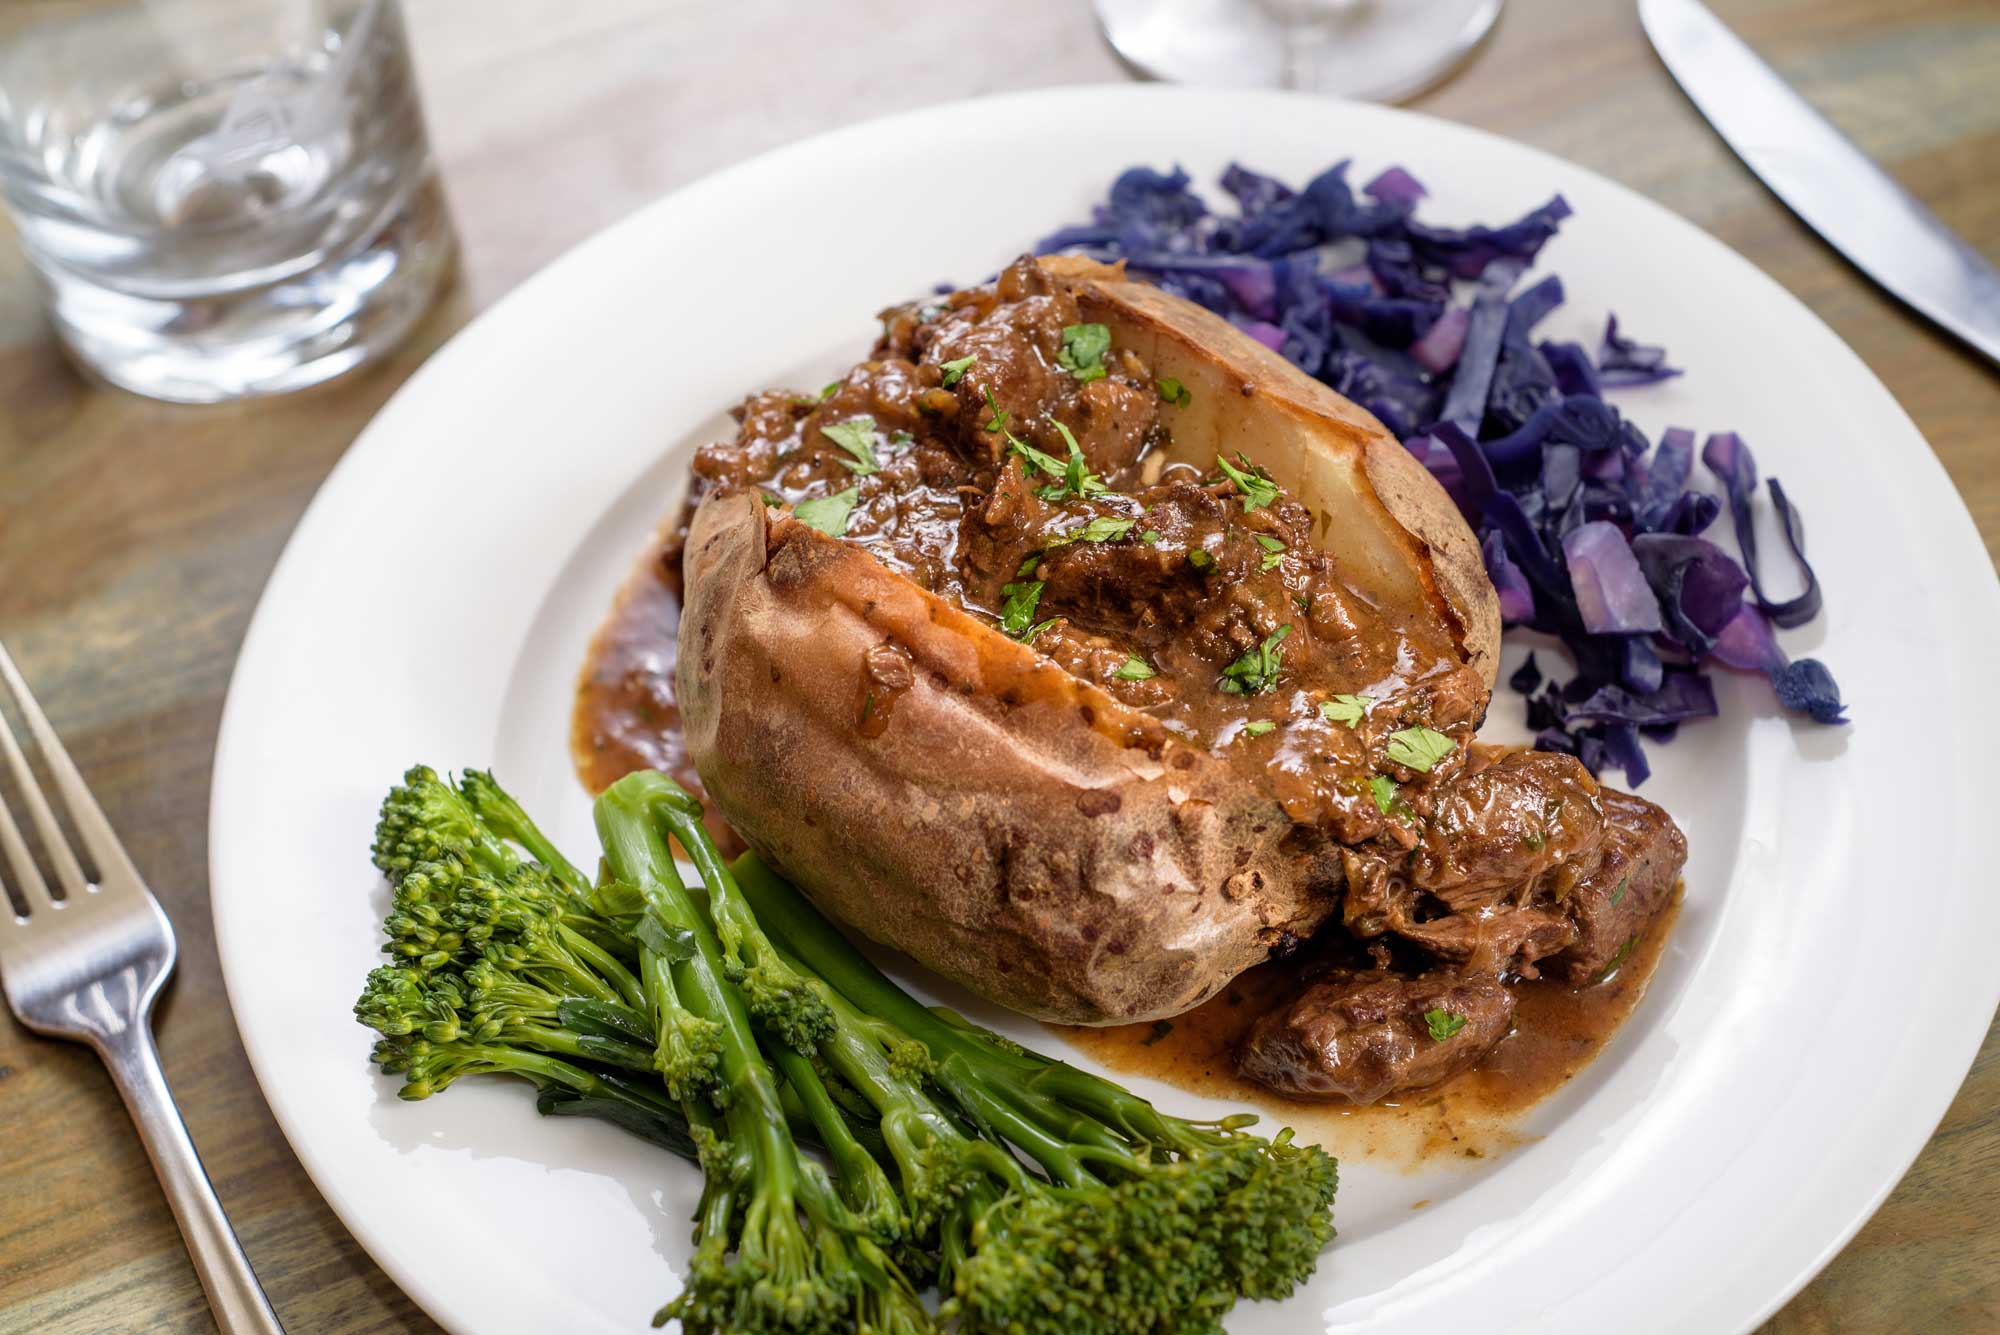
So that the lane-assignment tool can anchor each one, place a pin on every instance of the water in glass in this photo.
(221, 197)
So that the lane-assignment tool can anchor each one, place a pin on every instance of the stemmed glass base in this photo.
(1376, 50)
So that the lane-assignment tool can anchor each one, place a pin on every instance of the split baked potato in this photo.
(954, 792)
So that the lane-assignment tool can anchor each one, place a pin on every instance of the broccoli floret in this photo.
(425, 819)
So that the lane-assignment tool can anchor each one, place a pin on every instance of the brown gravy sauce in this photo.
(1557, 1031)
(626, 718)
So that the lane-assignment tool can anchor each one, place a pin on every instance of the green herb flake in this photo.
(1274, 552)
(828, 514)
(1535, 843)
(1151, 537)
(1303, 602)
(829, 390)
(1269, 543)
(1078, 480)
(1000, 415)
(1619, 893)
(1174, 392)
(1348, 709)
(1383, 789)
(1034, 458)
(1418, 748)
(1037, 629)
(769, 499)
(1104, 528)
(1442, 1023)
(1134, 668)
(954, 371)
(1258, 727)
(1253, 482)
(1201, 560)
(857, 436)
(1018, 612)
(1028, 564)
(1083, 349)
(1612, 967)
(1257, 670)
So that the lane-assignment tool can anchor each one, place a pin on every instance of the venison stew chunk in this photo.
(1079, 646)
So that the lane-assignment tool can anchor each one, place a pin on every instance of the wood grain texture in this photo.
(135, 537)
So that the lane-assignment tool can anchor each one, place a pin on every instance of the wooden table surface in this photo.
(135, 537)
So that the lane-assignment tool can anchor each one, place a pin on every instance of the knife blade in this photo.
(1821, 176)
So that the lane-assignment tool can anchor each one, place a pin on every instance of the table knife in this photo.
(1820, 174)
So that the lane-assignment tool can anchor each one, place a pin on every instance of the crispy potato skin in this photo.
(1012, 827)
(950, 792)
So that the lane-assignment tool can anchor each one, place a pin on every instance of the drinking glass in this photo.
(221, 198)
(1377, 50)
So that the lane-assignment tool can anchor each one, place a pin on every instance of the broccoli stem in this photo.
(982, 1076)
(504, 816)
(771, 1240)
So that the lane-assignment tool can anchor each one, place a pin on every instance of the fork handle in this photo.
(234, 1295)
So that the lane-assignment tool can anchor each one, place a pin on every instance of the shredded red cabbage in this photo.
(1590, 533)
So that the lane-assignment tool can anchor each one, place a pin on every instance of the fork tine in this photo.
(105, 850)
(61, 858)
(34, 890)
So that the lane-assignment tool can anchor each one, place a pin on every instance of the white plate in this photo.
(434, 603)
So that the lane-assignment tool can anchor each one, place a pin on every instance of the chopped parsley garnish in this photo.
(1028, 564)
(1174, 392)
(1077, 479)
(769, 499)
(1018, 612)
(1000, 415)
(1534, 844)
(1037, 629)
(1418, 748)
(828, 391)
(954, 370)
(1083, 349)
(1255, 484)
(1303, 602)
(1104, 528)
(1201, 560)
(828, 514)
(1257, 670)
(1383, 789)
(1151, 537)
(901, 438)
(1035, 459)
(1348, 709)
(1619, 893)
(1274, 551)
(1442, 1023)
(857, 436)
(1258, 727)
(1134, 668)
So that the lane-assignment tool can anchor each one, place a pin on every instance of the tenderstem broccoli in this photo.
(856, 1146)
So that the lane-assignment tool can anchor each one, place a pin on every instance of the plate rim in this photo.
(361, 455)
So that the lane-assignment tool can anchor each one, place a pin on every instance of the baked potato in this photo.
(981, 797)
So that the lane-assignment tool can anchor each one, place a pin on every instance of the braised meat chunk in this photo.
(1634, 879)
(1362, 1037)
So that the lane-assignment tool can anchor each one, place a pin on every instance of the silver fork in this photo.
(88, 967)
